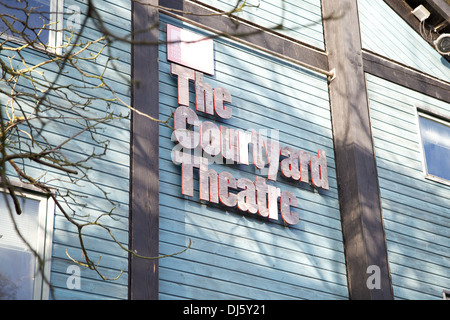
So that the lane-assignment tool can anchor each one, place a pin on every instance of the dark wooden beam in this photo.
(406, 76)
(359, 194)
(144, 197)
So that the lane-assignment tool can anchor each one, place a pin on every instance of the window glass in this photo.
(436, 146)
(25, 19)
(17, 261)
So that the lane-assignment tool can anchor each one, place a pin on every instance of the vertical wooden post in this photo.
(144, 202)
(360, 204)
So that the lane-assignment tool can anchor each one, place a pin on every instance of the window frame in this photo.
(439, 118)
(46, 216)
(54, 36)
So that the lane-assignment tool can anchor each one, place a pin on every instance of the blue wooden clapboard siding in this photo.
(110, 172)
(300, 20)
(416, 211)
(386, 33)
(238, 256)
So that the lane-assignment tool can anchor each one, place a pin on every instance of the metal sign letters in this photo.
(202, 143)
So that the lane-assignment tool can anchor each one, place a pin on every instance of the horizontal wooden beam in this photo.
(405, 76)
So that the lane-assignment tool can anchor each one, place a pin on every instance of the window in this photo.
(31, 20)
(435, 135)
(19, 274)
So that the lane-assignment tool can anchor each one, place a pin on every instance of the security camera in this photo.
(442, 44)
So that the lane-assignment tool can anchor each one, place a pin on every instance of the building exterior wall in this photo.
(109, 172)
(384, 32)
(236, 254)
(350, 84)
(415, 209)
